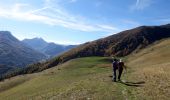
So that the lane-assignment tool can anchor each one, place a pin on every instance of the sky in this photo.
(79, 21)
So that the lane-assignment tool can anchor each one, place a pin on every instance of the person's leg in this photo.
(114, 74)
(120, 73)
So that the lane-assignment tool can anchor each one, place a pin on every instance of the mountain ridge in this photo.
(48, 48)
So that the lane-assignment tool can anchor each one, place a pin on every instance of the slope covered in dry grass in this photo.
(89, 78)
(152, 65)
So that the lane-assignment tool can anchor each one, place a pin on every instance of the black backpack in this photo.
(115, 64)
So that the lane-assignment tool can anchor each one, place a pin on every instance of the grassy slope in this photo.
(152, 65)
(148, 77)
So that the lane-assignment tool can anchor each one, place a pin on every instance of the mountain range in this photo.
(49, 49)
(14, 53)
(118, 45)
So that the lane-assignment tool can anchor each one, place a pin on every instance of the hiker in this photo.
(115, 67)
(120, 68)
(118, 65)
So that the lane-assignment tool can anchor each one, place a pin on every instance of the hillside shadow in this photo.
(134, 84)
(130, 83)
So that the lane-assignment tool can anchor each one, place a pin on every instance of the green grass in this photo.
(83, 78)
(147, 78)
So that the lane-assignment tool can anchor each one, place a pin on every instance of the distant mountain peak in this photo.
(38, 39)
(49, 48)
(7, 36)
(5, 33)
(14, 53)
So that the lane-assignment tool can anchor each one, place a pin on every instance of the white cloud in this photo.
(56, 16)
(141, 4)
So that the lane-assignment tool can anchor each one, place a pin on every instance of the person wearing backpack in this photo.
(115, 67)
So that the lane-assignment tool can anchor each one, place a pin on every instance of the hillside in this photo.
(147, 78)
(120, 44)
(14, 53)
(49, 49)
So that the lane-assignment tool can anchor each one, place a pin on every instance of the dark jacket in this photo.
(121, 65)
(115, 65)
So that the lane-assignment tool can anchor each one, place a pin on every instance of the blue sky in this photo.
(79, 21)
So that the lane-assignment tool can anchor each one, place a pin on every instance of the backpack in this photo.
(115, 65)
